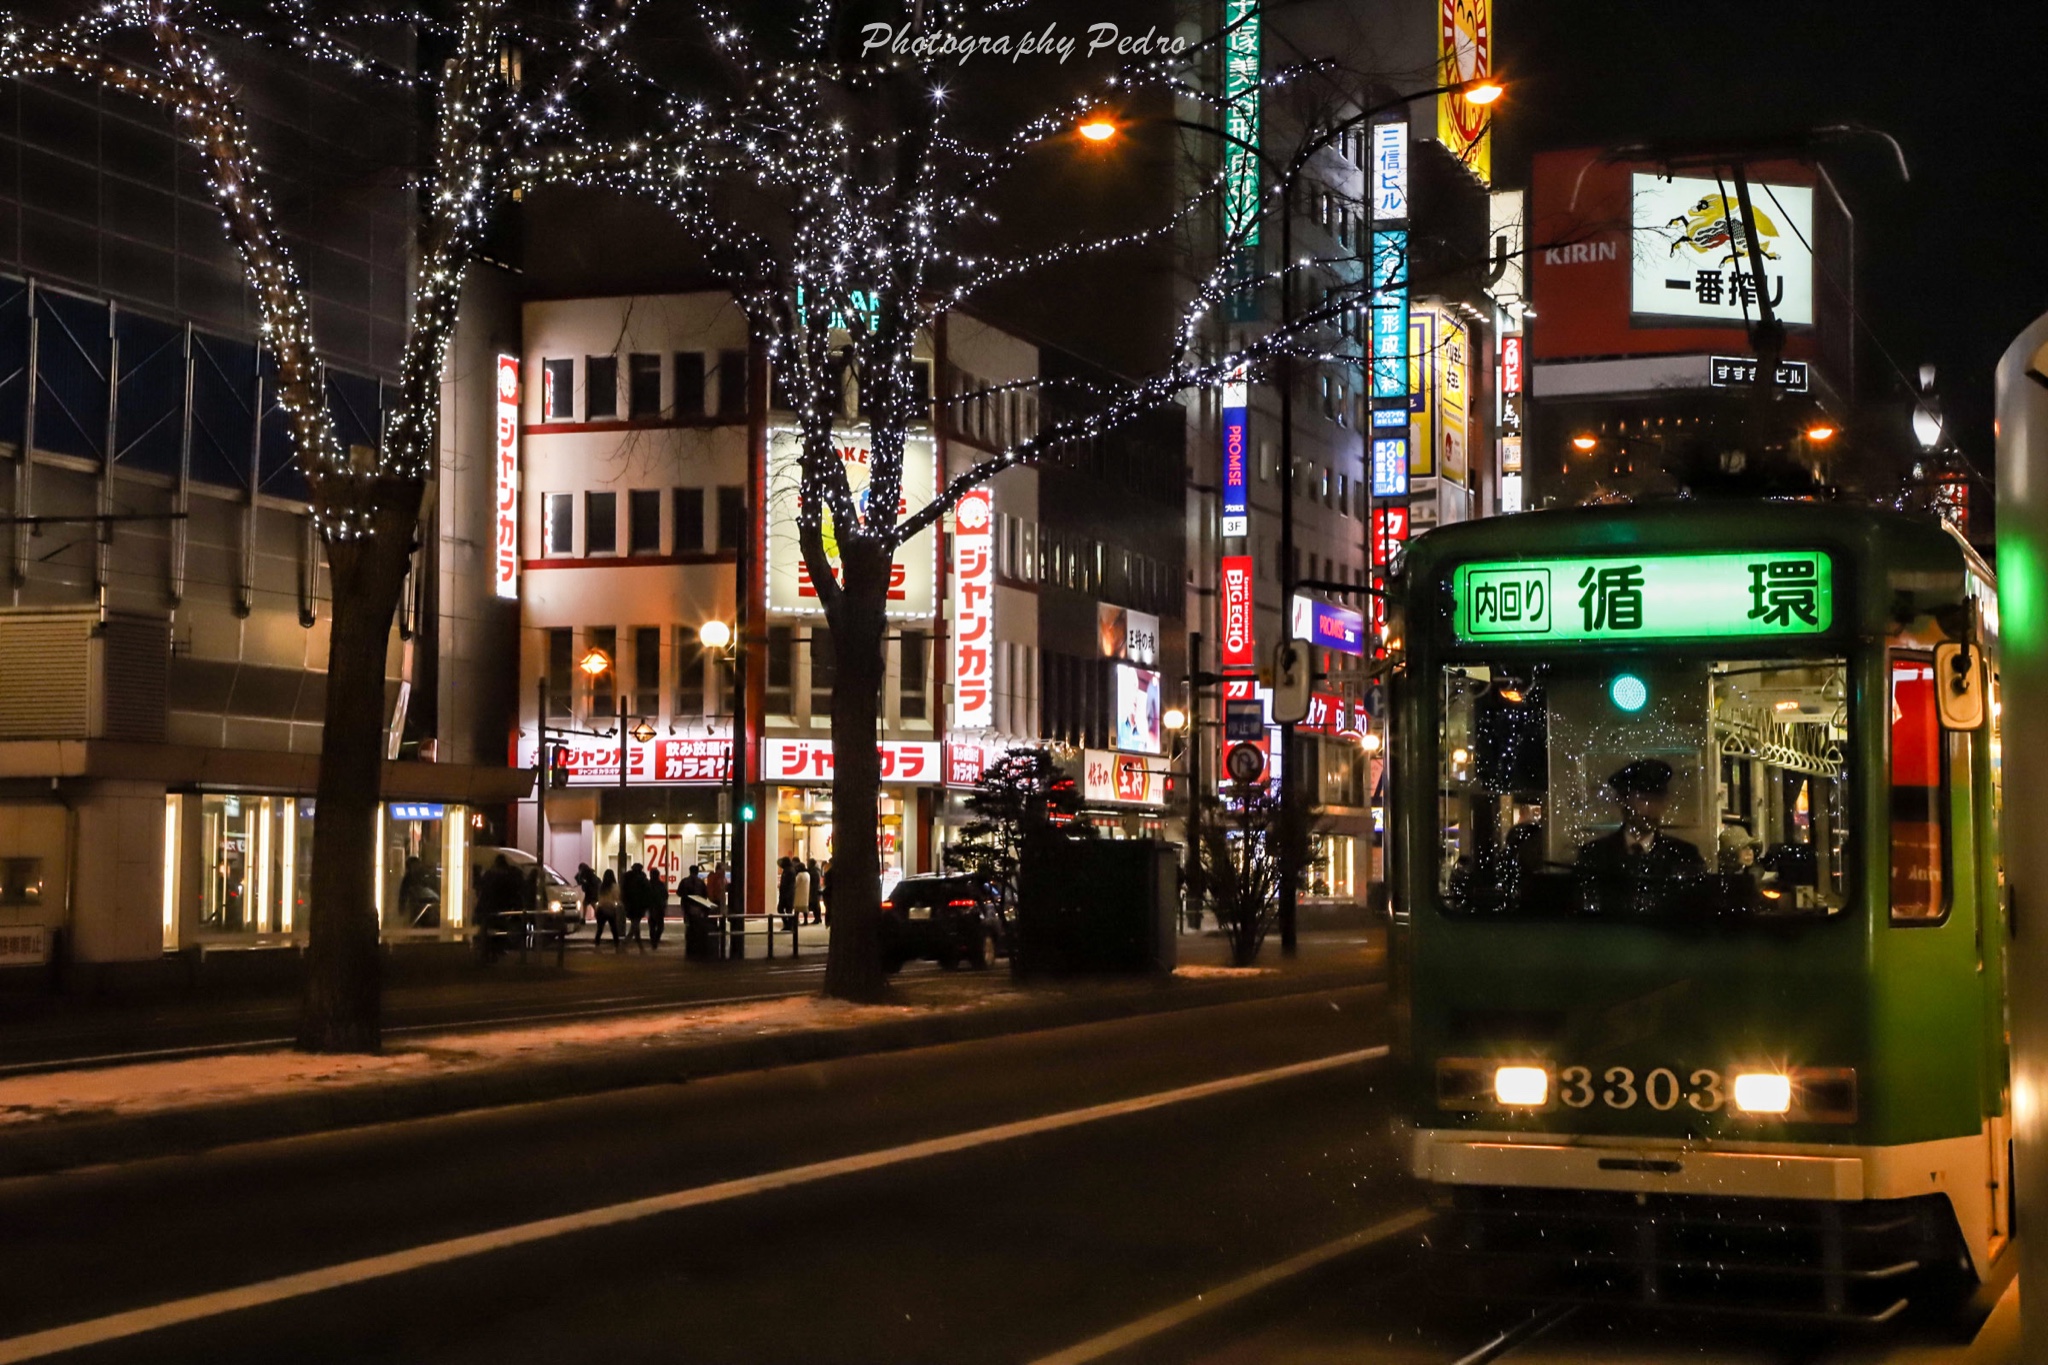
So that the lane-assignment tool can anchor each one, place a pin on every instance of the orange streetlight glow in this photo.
(1820, 431)
(594, 662)
(1097, 129)
(1485, 92)
(1584, 441)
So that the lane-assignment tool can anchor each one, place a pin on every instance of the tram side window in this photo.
(1919, 859)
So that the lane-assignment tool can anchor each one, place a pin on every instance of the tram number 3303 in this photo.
(1619, 1088)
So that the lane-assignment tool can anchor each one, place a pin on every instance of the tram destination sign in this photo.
(1644, 597)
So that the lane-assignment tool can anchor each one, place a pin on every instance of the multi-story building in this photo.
(657, 491)
(164, 634)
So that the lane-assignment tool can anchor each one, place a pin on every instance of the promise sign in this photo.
(1644, 597)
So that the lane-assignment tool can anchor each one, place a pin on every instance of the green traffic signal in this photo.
(747, 813)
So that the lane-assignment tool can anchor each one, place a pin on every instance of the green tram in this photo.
(1698, 916)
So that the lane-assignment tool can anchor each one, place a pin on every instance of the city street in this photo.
(1055, 1197)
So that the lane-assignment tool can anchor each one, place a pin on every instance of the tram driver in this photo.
(1640, 849)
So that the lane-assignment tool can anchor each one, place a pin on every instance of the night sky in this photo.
(1952, 264)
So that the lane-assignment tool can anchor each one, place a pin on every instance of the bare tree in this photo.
(487, 132)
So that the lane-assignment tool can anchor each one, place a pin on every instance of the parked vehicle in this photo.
(563, 899)
(948, 920)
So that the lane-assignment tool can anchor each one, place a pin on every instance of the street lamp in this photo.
(716, 636)
(1097, 128)
(1584, 441)
(1175, 718)
(1820, 431)
(594, 665)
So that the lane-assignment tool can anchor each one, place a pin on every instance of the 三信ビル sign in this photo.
(1644, 597)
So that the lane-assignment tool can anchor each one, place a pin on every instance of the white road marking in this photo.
(1209, 1301)
(136, 1321)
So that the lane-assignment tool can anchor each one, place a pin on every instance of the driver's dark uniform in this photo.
(1660, 856)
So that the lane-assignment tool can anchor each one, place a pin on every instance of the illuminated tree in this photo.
(847, 204)
(488, 132)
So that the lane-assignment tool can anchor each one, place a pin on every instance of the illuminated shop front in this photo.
(799, 773)
(238, 869)
(1124, 795)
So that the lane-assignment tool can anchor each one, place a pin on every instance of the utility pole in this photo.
(542, 770)
(1290, 875)
(1194, 872)
(619, 681)
(736, 845)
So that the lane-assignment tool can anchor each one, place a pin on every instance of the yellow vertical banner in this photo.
(1452, 397)
(1423, 320)
(1464, 52)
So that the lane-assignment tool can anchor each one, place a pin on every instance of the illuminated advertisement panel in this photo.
(1241, 95)
(1464, 52)
(1390, 172)
(1390, 466)
(1137, 709)
(974, 584)
(1236, 507)
(1239, 647)
(505, 556)
(1691, 255)
(913, 578)
(1389, 311)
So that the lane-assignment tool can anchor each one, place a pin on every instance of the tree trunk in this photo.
(341, 1009)
(853, 965)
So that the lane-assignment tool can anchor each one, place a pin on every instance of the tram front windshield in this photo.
(1636, 789)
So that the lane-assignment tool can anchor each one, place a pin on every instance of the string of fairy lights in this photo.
(877, 202)
(485, 124)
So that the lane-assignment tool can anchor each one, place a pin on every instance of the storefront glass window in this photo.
(415, 844)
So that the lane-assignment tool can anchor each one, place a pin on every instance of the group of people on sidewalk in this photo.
(803, 890)
(618, 902)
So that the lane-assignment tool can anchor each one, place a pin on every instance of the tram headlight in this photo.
(1763, 1092)
(1521, 1087)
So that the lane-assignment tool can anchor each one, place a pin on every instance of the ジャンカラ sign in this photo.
(1644, 597)
(505, 554)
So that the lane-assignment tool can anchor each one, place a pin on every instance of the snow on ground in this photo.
(157, 1087)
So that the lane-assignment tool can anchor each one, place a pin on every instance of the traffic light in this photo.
(558, 766)
(746, 812)
(1293, 675)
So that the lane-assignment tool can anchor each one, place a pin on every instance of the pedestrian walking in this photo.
(785, 885)
(714, 887)
(800, 893)
(657, 907)
(813, 904)
(633, 896)
(609, 912)
(825, 892)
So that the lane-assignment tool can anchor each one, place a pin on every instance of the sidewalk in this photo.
(64, 1119)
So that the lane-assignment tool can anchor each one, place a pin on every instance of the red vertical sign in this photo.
(1239, 647)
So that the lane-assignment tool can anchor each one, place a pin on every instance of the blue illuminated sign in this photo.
(1329, 627)
(1390, 465)
(1389, 313)
(417, 810)
(1236, 509)
(1390, 417)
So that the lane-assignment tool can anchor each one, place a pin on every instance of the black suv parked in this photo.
(950, 920)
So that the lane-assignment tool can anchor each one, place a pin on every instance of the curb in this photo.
(61, 1145)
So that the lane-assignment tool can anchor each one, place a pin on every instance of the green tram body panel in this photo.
(1916, 1011)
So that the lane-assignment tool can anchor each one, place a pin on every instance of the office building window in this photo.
(558, 390)
(781, 653)
(689, 514)
(643, 521)
(824, 669)
(647, 671)
(558, 516)
(732, 385)
(689, 676)
(605, 640)
(561, 673)
(732, 515)
(689, 383)
(601, 380)
(914, 671)
(643, 386)
(600, 523)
